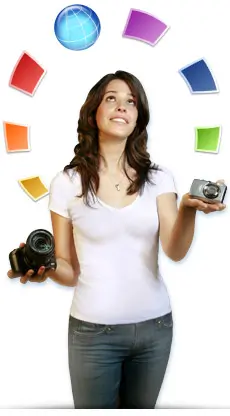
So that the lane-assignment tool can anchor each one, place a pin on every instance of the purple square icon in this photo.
(144, 26)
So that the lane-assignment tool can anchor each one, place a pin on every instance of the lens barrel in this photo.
(39, 247)
(211, 190)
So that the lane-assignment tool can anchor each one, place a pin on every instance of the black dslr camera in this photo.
(208, 191)
(38, 251)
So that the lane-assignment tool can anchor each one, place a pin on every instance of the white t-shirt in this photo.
(117, 248)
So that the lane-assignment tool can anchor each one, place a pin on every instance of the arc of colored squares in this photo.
(28, 74)
(26, 77)
(200, 80)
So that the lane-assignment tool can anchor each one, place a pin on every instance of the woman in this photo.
(109, 208)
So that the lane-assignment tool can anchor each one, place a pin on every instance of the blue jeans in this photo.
(118, 366)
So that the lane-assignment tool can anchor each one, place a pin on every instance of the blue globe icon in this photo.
(77, 27)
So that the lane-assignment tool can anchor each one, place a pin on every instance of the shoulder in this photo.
(67, 178)
(162, 179)
(65, 181)
(159, 174)
(64, 188)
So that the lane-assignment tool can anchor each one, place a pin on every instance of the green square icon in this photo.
(208, 139)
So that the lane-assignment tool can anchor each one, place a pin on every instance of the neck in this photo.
(112, 153)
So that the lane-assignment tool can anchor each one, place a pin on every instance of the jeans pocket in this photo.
(165, 321)
(86, 329)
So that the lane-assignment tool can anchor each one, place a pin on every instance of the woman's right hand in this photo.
(38, 278)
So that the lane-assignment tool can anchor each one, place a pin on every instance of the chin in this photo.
(113, 135)
(121, 133)
(119, 136)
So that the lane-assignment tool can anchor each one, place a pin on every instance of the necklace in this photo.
(117, 185)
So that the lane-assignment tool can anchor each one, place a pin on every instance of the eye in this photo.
(132, 101)
(110, 98)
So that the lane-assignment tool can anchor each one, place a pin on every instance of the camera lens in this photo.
(41, 244)
(39, 247)
(211, 190)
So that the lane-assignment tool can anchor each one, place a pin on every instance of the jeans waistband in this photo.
(97, 325)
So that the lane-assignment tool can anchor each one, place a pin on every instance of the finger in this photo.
(12, 275)
(21, 244)
(202, 206)
(34, 279)
(41, 271)
(217, 207)
(37, 279)
(214, 207)
(196, 203)
(206, 208)
(209, 210)
(24, 279)
(222, 207)
(220, 181)
(40, 275)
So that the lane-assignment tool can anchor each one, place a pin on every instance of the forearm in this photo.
(182, 233)
(64, 274)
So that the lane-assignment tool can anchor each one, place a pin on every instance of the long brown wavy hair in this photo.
(87, 153)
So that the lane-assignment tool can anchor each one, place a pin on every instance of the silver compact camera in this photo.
(208, 191)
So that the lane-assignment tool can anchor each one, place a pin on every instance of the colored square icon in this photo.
(199, 78)
(208, 139)
(16, 137)
(26, 75)
(144, 26)
(34, 187)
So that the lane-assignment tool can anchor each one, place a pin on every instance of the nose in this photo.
(121, 108)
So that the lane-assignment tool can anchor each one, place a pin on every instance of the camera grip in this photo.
(14, 264)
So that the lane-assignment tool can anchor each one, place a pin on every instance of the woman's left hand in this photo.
(206, 207)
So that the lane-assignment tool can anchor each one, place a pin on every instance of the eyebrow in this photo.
(115, 92)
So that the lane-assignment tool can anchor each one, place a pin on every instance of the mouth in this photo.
(121, 120)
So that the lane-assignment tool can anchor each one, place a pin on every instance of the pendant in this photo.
(117, 186)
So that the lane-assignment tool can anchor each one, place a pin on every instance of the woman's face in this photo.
(117, 114)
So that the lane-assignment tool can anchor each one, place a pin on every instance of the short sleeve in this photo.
(60, 194)
(164, 181)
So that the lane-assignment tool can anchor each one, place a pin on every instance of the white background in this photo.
(34, 318)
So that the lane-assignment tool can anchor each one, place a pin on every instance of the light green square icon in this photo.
(208, 139)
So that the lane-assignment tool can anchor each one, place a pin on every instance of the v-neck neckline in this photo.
(119, 209)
